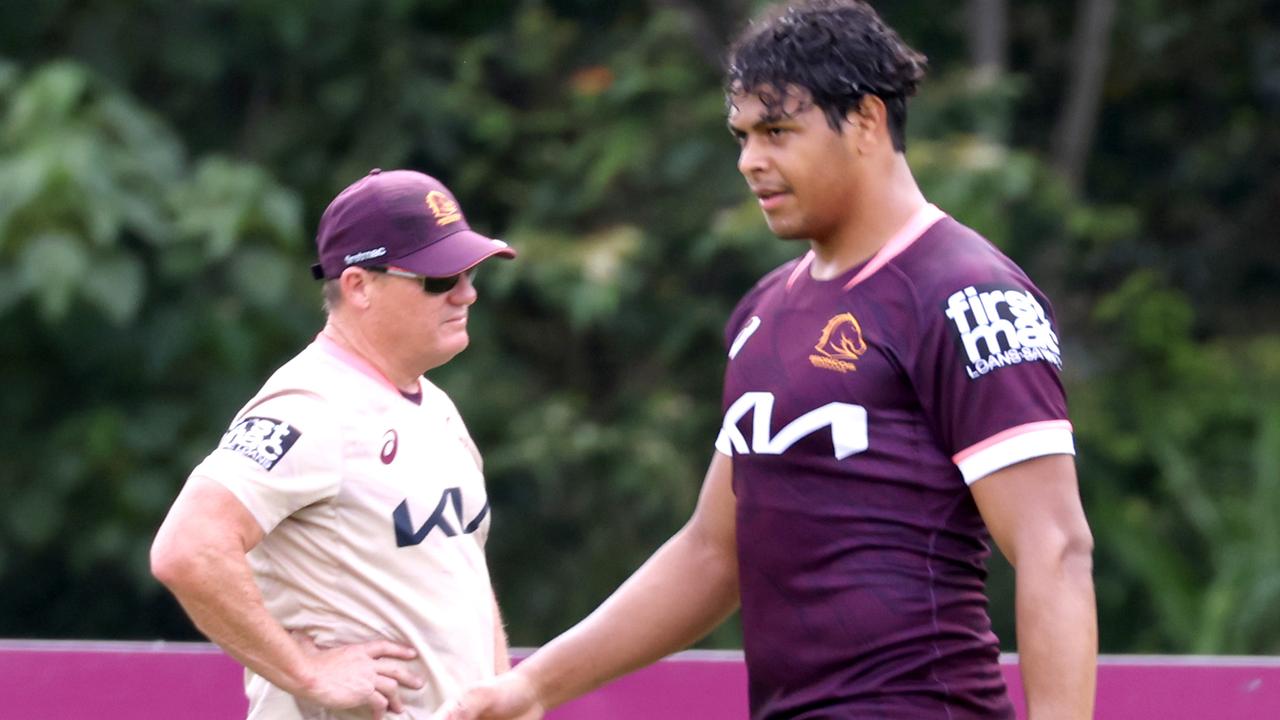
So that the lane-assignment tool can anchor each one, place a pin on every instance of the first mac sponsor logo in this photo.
(261, 439)
(998, 326)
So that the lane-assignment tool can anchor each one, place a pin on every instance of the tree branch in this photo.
(1073, 136)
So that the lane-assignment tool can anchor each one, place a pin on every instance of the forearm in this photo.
(1058, 636)
(218, 592)
(683, 592)
(501, 647)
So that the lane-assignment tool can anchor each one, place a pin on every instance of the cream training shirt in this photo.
(375, 518)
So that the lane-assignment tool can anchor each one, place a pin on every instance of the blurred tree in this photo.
(129, 274)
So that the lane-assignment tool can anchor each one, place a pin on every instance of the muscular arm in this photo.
(1034, 514)
(681, 593)
(687, 588)
(199, 554)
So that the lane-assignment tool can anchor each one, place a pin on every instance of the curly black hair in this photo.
(837, 50)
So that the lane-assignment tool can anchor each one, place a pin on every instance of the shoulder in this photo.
(773, 280)
(952, 252)
(953, 265)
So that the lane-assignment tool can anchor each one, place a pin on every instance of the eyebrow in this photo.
(770, 118)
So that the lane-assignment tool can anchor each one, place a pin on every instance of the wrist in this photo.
(299, 676)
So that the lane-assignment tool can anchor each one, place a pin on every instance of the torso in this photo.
(375, 521)
(862, 554)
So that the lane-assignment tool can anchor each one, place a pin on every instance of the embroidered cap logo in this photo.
(443, 208)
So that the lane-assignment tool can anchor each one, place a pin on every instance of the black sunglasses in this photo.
(430, 285)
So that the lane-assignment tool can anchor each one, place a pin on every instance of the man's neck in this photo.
(348, 337)
(891, 199)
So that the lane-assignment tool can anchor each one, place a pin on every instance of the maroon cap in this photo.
(401, 218)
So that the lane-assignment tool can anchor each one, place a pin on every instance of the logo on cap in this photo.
(354, 258)
(443, 208)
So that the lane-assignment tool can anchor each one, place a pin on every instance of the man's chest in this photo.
(415, 473)
(809, 354)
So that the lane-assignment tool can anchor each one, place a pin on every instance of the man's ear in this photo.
(868, 122)
(356, 285)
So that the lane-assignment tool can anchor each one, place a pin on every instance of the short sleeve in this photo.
(987, 372)
(279, 456)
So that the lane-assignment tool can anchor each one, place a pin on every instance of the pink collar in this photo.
(923, 219)
(920, 222)
(327, 345)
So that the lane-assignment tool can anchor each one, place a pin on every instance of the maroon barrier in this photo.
(155, 681)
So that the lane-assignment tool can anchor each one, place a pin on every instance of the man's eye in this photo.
(776, 131)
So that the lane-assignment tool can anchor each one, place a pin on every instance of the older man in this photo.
(333, 542)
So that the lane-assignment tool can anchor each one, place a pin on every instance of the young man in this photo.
(891, 397)
(333, 543)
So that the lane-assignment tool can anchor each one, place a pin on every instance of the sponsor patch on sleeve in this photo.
(262, 440)
(998, 326)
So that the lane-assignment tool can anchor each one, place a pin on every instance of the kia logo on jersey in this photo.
(390, 443)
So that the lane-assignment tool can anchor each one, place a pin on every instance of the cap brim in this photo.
(454, 254)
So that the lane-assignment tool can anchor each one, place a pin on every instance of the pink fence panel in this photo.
(161, 681)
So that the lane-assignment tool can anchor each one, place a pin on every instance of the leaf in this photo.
(116, 285)
(53, 265)
(262, 276)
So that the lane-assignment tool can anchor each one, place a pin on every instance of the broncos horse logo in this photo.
(840, 344)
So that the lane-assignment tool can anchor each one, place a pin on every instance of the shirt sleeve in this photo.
(987, 372)
(278, 457)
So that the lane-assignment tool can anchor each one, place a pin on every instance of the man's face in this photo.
(799, 168)
(427, 329)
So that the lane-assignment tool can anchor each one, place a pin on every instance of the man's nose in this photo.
(464, 293)
(750, 158)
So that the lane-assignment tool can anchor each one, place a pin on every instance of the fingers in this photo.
(389, 690)
(377, 702)
(396, 670)
(386, 648)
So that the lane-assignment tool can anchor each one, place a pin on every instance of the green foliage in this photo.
(133, 283)
(1186, 434)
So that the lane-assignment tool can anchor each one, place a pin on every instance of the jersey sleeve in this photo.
(279, 456)
(987, 372)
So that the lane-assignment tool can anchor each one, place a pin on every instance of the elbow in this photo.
(1071, 553)
(164, 566)
(1077, 553)
(1068, 552)
(170, 564)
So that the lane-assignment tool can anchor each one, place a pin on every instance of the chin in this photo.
(786, 231)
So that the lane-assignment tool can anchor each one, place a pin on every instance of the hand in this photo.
(509, 696)
(350, 676)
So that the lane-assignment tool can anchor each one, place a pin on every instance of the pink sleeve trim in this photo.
(1033, 440)
(1008, 435)
(923, 219)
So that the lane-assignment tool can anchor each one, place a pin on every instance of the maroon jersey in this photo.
(857, 411)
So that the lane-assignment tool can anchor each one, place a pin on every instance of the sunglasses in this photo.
(430, 285)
